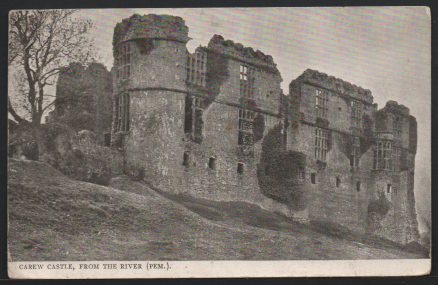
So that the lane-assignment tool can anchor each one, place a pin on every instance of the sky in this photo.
(384, 49)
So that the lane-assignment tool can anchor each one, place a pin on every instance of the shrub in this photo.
(379, 206)
(30, 150)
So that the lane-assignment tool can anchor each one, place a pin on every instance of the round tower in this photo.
(149, 90)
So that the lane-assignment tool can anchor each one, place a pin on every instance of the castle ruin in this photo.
(215, 124)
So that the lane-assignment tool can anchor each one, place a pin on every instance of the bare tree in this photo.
(41, 43)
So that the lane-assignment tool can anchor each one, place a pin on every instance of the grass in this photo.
(52, 217)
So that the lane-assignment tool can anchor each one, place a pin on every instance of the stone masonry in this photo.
(216, 124)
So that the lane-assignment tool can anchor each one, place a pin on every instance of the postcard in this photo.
(219, 142)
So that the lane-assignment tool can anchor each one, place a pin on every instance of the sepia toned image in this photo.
(219, 142)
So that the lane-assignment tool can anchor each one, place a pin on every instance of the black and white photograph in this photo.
(219, 142)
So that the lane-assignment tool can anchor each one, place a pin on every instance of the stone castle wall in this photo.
(348, 204)
(158, 146)
(84, 99)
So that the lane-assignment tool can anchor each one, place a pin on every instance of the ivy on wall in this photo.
(279, 171)
(258, 127)
(217, 74)
(377, 210)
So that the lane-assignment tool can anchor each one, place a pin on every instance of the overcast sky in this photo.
(384, 49)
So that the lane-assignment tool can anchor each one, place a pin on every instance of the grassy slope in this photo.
(52, 217)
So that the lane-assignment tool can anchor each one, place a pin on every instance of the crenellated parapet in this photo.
(246, 54)
(335, 84)
(164, 27)
(395, 108)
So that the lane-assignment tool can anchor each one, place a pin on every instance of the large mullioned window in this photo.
(193, 117)
(246, 81)
(197, 68)
(123, 112)
(321, 144)
(246, 124)
(321, 103)
(355, 152)
(356, 113)
(383, 155)
(123, 61)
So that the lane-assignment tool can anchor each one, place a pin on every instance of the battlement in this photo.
(151, 26)
(395, 108)
(240, 52)
(335, 84)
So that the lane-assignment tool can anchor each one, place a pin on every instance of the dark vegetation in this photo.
(345, 141)
(377, 210)
(145, 46)
(379, 206)
(217, 74)
(76, 154)
(259, 127)
(279, 171)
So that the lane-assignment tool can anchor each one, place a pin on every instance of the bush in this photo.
(78, 155)
(137, 174)
(379, 206)
(30, 150)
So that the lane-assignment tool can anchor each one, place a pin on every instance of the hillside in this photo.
(52, 217)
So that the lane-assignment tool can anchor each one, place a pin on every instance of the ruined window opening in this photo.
(355, 152)
(107, 139)
(267, 169)
(246, 81)
(397, 125)
(240, 168)
(321, 103)
(388, 188)
(358, 186)
(212, 163)
(356, 114)
(313, 178)
(186, 158)
(301, 174)
(193, 117)
(338, 182)
(246, 126)
(383, 155)
(123, 61)
(123, 112)
(321, 144)
(188, 115)
(197, 67)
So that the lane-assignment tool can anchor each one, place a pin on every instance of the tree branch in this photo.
(14, 114)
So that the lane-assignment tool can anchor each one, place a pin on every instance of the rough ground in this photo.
(52, 217)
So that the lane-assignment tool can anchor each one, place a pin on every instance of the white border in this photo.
(212, 269)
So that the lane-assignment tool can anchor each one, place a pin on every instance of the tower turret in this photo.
(149, 89)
